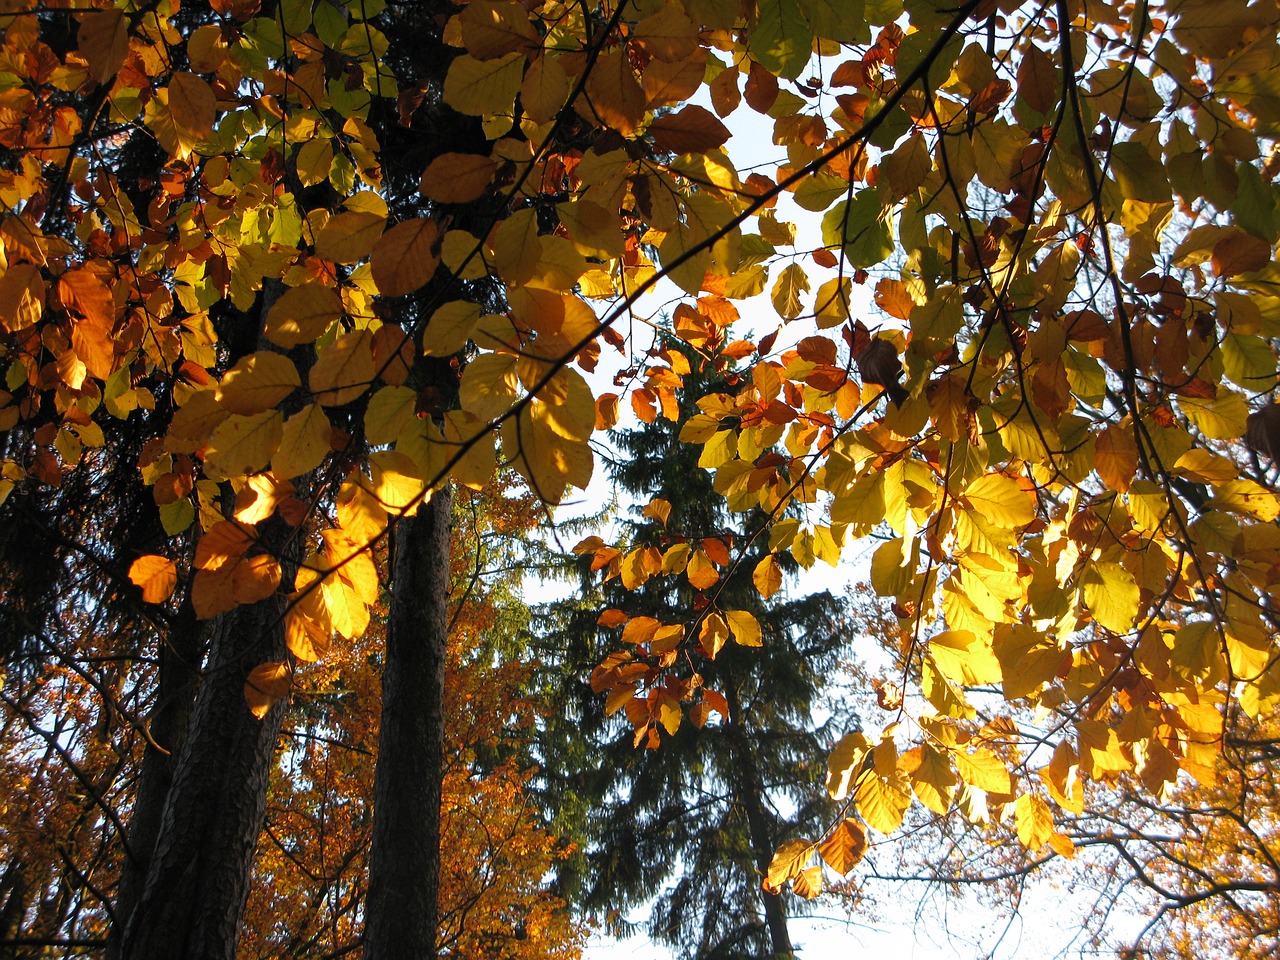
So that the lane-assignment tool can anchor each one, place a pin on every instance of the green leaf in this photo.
(781, 41)
(862, 227)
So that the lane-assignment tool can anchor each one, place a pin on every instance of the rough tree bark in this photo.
(191, 904)
(404, 862)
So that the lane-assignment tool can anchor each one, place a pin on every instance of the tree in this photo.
(1072, 459)
(691, 825)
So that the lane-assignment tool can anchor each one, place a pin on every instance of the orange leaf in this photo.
(457, 177)
(157, 576)
(255, 579)
(612, 618)
(406, 256)
(266, 684)
(845, 847)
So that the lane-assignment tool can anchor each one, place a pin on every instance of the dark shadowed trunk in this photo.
(176, 684)
(404, 863)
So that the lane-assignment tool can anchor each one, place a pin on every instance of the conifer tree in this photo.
(693, 824)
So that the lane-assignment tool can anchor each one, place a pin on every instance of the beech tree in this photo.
(1061, 416)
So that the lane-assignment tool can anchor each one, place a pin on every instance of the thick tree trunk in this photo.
(404, 863)
(750, 794)
(195, 891)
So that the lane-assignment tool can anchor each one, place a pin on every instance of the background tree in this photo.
(689, 824)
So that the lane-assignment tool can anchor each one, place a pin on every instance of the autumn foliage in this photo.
(278, 273)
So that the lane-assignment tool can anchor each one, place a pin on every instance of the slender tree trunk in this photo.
(404, 863)
(750, 794)
(193, 899)
(176, 685)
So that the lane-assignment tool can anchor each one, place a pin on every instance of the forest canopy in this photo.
(289, 287)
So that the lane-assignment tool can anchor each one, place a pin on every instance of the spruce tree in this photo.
(689, 827)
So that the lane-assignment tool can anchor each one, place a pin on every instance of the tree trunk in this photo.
(195, 891)
(750, 793)
(404, 862)
(176, 685)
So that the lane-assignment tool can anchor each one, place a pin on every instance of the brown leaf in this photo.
(691, 130)
(406, 257)
(192, 103)
(1239, 253)
(103, 39)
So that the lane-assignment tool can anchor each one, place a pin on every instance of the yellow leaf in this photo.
(745, 627)
(306, 639)
(808, 882)
(266, 684)
(964, 658)
(350, 236)
(259, 497)
(548, 461)
(844, 765)
(846, 845)
(544, 89)
(984, 770)
(999, 500)
(713, 634)
(457, 177)
(479, 459)
(397, 482)
(791, 282)
(787, 862)
(302, 315)
(406, 257)
(484, 87)
(883, 802)
(767, 576)
(343, 370)
(449, 329)
(931, 776)
(258, 382)
(1111, 594)
(157, 576)
(388, 411)
(243, 445)
(1035, 821)
(304, 442)
(347, 612)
